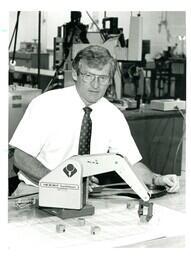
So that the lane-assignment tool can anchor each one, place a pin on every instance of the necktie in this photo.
(84, 144)
(85, 133)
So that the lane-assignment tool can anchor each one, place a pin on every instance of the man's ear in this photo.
(74, 75)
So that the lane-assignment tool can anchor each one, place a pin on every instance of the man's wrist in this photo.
(157, 179)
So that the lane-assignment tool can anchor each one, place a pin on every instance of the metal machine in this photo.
(74, 36)
(19, 99)
(73, 32)
(63, 187)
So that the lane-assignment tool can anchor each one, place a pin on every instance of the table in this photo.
(157, 135)
(172, 201)
(175, 202)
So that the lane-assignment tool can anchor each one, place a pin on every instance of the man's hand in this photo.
(170, 181)
(24, 189)
(93, 182)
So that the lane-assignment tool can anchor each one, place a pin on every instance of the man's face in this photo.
(92, 83)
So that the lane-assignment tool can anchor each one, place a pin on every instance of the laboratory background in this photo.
(149, 88)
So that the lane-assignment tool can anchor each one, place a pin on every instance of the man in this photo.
(49, 132)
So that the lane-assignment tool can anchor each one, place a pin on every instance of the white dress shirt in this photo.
(50, 128)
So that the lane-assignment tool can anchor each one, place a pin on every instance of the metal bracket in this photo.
(145, 211)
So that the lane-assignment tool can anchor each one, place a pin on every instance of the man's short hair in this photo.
(94, 56)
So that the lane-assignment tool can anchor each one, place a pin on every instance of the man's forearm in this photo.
(170, 181)
(143, 172)
(30, 166)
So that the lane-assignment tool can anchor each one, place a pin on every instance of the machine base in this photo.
(69, 213)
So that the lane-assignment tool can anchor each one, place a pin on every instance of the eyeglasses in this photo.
(88, 77)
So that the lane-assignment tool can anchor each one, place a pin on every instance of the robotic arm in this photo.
(97, 164)
(63, 187)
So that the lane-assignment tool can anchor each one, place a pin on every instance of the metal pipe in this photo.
(16, 30)
(39, 49)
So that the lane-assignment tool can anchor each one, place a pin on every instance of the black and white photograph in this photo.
(96, 128)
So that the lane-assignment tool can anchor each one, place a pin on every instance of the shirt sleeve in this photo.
(29, 135)
(122, 142)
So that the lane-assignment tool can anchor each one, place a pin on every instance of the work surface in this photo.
(117, 225)
(148, 113)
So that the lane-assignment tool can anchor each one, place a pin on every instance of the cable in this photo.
(181, 139)
(180, 111)
(24, 195)
(161, 134)
(16, 31)
(102, 35)
(177, 150)
(49, 84)
(93, 21)
(156, 128)
(169, 147)
(12, 37)
(39, 47)
(16, 27)
(123, 189)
